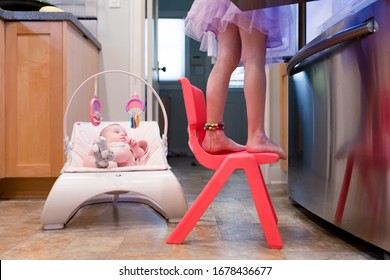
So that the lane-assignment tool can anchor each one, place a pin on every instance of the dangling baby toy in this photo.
(95, 108)
(95, 111)
(135, 107)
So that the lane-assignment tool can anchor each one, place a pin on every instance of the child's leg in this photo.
(89, 161)
(229, 52)
(253, 57)
(130, 162)
(123, 156)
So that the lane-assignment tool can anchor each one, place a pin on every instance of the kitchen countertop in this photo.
(247, 5)
(6, 15)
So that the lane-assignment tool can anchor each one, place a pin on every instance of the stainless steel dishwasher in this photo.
(339, 125)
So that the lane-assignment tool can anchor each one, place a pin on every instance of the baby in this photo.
(113, 145)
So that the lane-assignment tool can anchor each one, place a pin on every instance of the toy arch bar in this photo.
(165, 133)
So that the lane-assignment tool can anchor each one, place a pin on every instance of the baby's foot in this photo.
(105, 151)
(265, 145)
(217, 142)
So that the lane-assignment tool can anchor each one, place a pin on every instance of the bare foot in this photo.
(217, 142)
(264, 145)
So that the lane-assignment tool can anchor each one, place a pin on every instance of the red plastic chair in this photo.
(224, 165)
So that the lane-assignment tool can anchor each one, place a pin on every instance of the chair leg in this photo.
(268, 196)
(200, 205)
(263, 205)
(260, 196)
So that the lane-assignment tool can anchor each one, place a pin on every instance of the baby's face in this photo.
(115, 133)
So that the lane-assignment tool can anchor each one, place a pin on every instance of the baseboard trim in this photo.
(25, 188)
(277, 175)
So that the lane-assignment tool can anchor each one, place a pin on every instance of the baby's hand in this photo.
(133, 143)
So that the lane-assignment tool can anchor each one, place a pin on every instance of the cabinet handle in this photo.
(345, 35)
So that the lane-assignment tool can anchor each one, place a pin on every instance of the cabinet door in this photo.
(34, 98)
(2, 102)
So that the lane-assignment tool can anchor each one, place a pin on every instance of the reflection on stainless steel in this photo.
(339, 129)
(354, 32)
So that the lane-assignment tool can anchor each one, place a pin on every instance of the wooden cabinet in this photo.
(2, 101)
(45, 61)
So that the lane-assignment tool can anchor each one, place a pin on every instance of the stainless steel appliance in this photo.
(339, 124)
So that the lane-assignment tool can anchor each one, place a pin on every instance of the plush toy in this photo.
(102, 153)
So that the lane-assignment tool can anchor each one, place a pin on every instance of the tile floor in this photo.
(228, 230)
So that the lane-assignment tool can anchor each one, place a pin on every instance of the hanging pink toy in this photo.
(95, 108)
(135, 106)
(95, 111)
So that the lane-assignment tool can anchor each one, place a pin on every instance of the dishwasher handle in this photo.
(353, 32)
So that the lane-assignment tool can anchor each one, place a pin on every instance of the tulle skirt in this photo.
(207, 18)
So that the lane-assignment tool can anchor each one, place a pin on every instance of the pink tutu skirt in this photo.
(207, 18)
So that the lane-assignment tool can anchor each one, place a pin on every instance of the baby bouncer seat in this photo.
(150, 181)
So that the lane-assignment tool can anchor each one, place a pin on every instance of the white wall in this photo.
(121, 33)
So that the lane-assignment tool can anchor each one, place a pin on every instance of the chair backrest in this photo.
(196, 112)
(195, 105)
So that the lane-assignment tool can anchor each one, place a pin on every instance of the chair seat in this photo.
(261, 158)
(213, 161)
